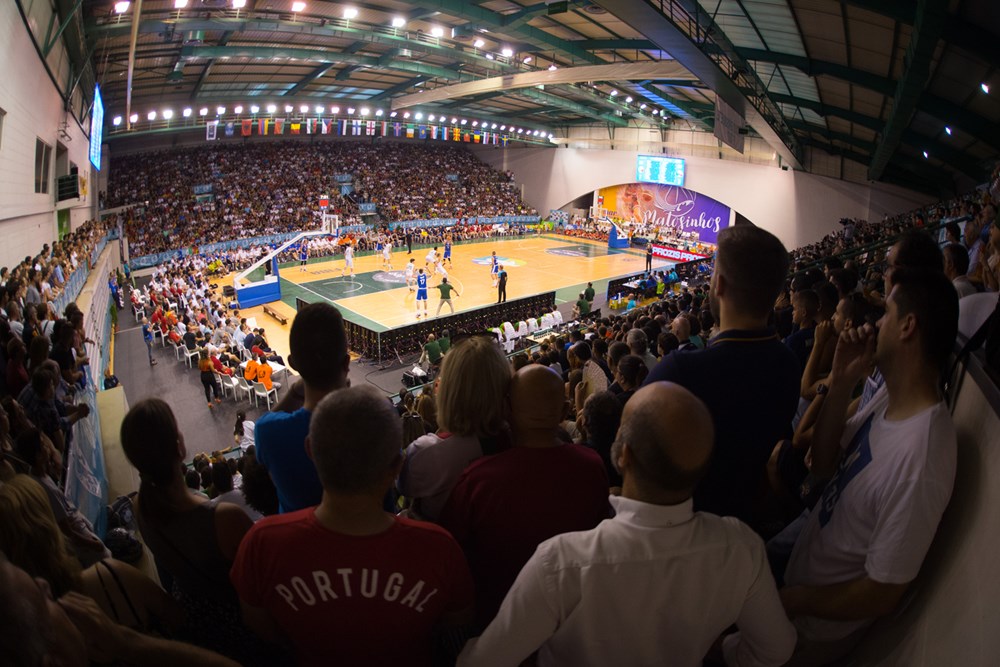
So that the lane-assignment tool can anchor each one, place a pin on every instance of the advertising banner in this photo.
(669, 206)
(675, 255)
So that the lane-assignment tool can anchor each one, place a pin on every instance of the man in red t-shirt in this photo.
(345, 582)
(505, 505)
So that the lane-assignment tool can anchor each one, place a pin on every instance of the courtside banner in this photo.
(666, 252)
(680, 209)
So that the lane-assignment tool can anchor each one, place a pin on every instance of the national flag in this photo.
(370, 128)
(326, 125)
(421, 132)
(279, 125)
(262, 125)
(296, 127)
(503, 140)
(356, 127)
(495, 135)
(210, 129)
(247, 127)
(343, 127)
(466, 137)
(397, 129)
(475, 137)
(409, 131)
(456, 134)
(385, 128)
(311, 126)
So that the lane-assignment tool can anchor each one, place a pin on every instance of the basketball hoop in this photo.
(324, 201)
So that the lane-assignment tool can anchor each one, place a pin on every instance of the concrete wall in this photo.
(33, 109)
(798, 207)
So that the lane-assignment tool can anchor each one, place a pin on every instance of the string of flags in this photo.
(355, 128)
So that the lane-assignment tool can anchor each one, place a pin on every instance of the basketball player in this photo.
(447, 250)
(439, 268)
(387, 256)
(422, 293)
(348, 260)
(494, 268)
(303, 255)
(431, 258)
(411, 274)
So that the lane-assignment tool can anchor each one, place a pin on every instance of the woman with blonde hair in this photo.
(32, 541)
(475, 375)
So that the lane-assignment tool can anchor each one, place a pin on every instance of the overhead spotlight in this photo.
(507, 52)
(926, 155)
(187, 112)
(479, 43)
(298, 6)
(493, 126)
(437, 31)
(454, 120)
(552, 67)
(550, 135)
(475, 123)
(985, 86)
(350, 111)
(271, 108)
(378, 112)
(121, 7)
(303, 108)
(398, 22)
(364, 111)
(320, 108)
(350, 12)
(613, 93)
(489, 56)
(238, 109)
(527, 59)
(463, 122)
(628, 100)
(116, 121)
(240, 4)
(642, 106)
(431, 118)
(520, 130)
(203, 111)
(254, 108)
(180, 4)
(220, 110)
(168, 114)
(334, 110)
(134, 118)
(393, 114)
(289, 108)
(948, 130)
(418, 115)
(503, 127)
(406, 114)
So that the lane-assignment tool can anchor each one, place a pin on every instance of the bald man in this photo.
(506, 505)
(657, 584)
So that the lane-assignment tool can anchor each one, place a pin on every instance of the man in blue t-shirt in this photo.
(318, 345)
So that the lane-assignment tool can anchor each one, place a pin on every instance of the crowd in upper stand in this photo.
(270, 188)
(748, 470)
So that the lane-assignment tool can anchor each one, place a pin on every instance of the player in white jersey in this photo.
(411, 274)
(439, 268)
(431, 258)
(387, 256)
(348, 260)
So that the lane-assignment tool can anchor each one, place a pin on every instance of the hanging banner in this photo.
(680, 209)
(279, 125)
(247, 126)
(296, 128)
(230, 129)
(262, 125)
(728, 124)
(210, 129)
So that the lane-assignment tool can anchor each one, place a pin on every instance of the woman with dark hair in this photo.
(243, 431)
(207, 376)
(193, 541)
(631, 372)
(222, 482)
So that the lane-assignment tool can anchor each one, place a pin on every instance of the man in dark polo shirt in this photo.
(748, 379)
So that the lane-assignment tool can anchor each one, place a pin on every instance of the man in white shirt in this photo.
(956, 266)
(657, 584)
(892, 467)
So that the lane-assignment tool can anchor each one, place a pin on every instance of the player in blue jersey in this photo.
(494, 268)
(422, 293)
(447, 250)
(303, 255)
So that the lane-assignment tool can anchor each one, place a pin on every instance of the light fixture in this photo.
(926, 155)
(180, 4)
(489, 56)
(398, 22)
(240, 4)
(552, 67)
(527, 59)
(437, 31)
(238, 109)
(418, 115)
(393, 114)
(520, 130)
(948, 130)
(320, 108)
(116, 121)
(642, 106)
(507, 52)
(628, 100)
(613, 93)
(288, 108)
(475, 123)
(254, 108)
(121, 7)
(479, 43)
(298, 6)
(378, 112)
(134, 118)
(203, 111)
(350, 12)
(503, 127)
(187, 112)
(168, 114)
(271, 108)
(334, 110)
(985, 86)
(431, 118)
(350, 111)
(406, 114)
(493, 126)
(364, 111)
(220, 110)
(463, 122)
(454, 120)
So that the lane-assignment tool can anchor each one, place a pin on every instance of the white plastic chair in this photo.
(179, 349)
(241, 386)
(259, 391)
(228, 383)
(189, 355)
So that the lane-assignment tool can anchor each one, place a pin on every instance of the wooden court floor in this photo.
(380, 299)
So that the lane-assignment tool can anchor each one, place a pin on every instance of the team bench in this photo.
(275, 314)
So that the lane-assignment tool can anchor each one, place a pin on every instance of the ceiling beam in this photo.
(923, 42)
(616, 44)
(398, 88)
(319, 72)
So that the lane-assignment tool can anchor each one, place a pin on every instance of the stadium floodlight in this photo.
(220, 110)
(475, 123)
(489, 56)
(520, 130)
(289, 108)
(122, 7)
(271, 108)
(298, 6)
(203, 111)
(116, 121)
(168, 114)
(187, 112)
(303, 108)
(527, 59)
(493, 126)
(479, 43)
(926, 155)
(552, 67)
(431, 118)
(350, 12)
(454, 120)
(503, 127)
(239, 4)
(398, 22)
(985, 87)
(254, 108)
(507, 52)
(642, 106)
(393, 114)
(180, 4)
(463, 122)
(134, 118)
(239, 108)
(320, 108)
(406, 114)
(418, 116)
(437, 31)
(948, 130)
(365, 111)
(628, 100)
(350, 111)
(335, 110)
(378, 112)
(613, 93)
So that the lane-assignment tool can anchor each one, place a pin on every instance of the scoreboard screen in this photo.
(660, 169)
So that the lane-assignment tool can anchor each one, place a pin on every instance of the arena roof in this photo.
(892, 84)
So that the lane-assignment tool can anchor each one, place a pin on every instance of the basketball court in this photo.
(380, 300)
